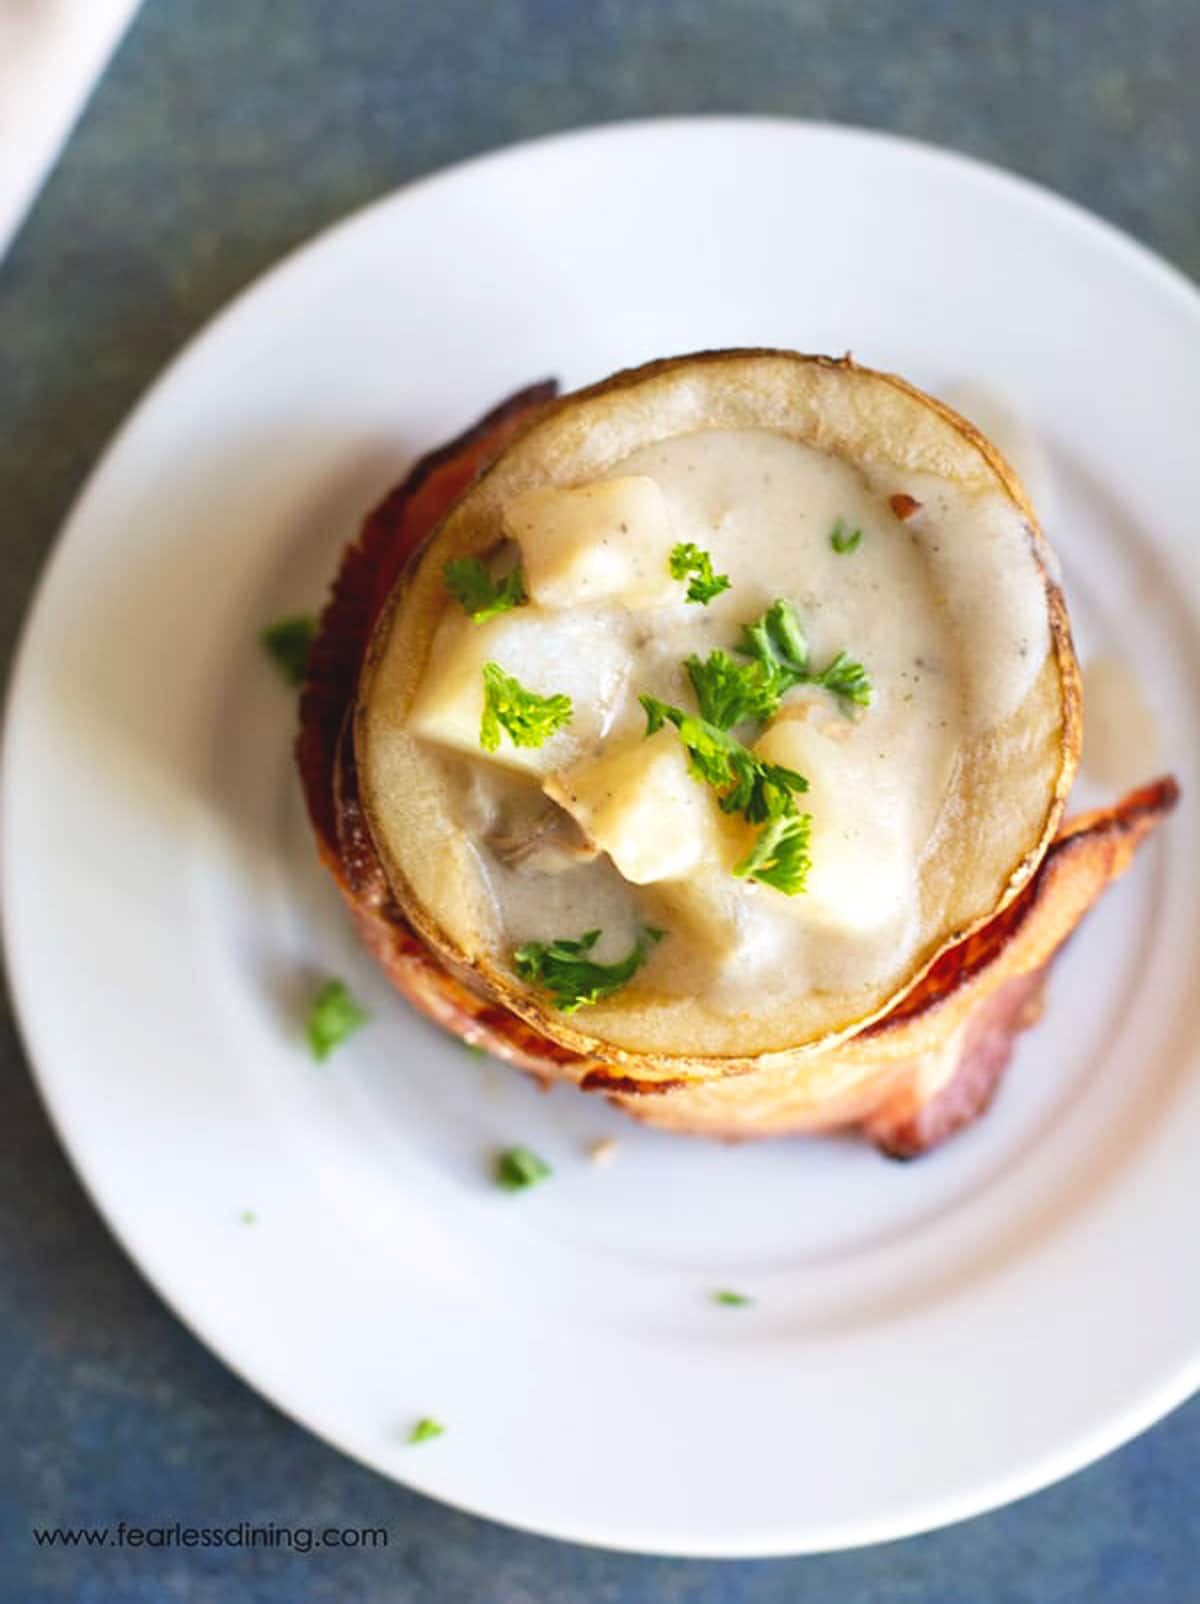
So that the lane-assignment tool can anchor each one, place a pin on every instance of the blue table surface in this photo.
(222, 135)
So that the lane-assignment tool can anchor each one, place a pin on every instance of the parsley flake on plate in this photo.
(518, 1168)
(288, 642)
(688, 559)
(732, 1300)
(843, 539)
(333, 1015)
(573, 978)
(528, 719)
(481, 596)
(426, 1430)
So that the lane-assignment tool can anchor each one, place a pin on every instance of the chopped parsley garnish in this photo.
(519, 1167)
(475, 1050)
(778, 643)
(248, 1217)
(780, 856)
(469, 582)
(762, 792)
(744, 783)
(333, 1015)
(729, 692)
(843, 539)
(732, 1300)
(528, 718)
(845, 678)
(426, 1430)
(688, 559)
(288, 643)
(573, 979)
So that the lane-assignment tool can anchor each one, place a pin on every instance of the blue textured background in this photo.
(225, 132)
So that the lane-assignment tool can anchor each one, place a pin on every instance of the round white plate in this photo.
(926, 1340)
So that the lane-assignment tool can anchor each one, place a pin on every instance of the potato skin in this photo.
(477, 968)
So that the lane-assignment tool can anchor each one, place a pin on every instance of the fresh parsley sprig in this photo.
(469, 582)
(575, 980)
(845, 678)
(744, 782)
(762, 792)
(843, 539)
(288, 643)
(730, 693)
(520, 1167)
(688, 559)
(778, 643)
(528, 719)
(333, 1015)
(780, 855)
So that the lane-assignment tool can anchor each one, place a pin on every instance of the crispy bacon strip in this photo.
(933, 1063)
(910, 1080)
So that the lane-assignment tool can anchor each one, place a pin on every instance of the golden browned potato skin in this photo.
(919, 429)
(908, 1079)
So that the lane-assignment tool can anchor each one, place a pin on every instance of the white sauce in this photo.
(1121, 742)
(945, 611)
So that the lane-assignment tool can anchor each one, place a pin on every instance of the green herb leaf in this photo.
(575, 980)
(780, 856)
(730, 693)
(529, 719)
(745, 783)
(686, 559)
(846, 678)
(732, 1300)
(518, 1167)
(288, 642)
(248, 1217)
(333, 1015)
(469, 582)
(843, 539)
(426, 1430)
(777, 642)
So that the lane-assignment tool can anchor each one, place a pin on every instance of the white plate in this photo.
(927, 1340)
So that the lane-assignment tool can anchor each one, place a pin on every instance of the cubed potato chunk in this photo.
(708, 908)
(641, 805)
(606, 541)
(863, 858)
(550, 653)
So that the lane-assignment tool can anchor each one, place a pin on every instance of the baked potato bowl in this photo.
(921, 1070)
(931, 800)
